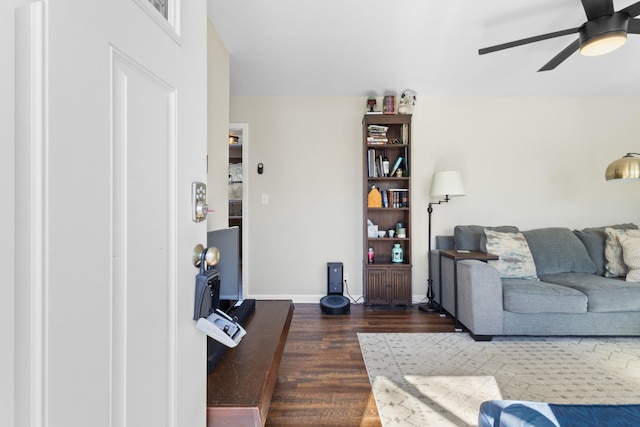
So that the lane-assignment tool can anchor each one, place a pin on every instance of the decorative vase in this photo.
(403, 109)
(396, 253)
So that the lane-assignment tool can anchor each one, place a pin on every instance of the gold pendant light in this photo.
(626, 168)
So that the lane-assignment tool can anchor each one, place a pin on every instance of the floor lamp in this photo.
(627, 168)
(445, 184)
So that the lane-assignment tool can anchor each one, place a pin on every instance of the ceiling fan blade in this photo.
(597, 8)
(634, 26)
(559, 58)
(632, 10)
(527, 40)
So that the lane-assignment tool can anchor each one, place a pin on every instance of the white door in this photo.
(111, 121)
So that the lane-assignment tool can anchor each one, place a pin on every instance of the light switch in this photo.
(265, 198)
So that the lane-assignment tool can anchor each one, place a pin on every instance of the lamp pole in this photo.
(430, 306)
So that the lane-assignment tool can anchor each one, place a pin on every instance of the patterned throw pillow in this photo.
(615, 264)
(631, 255)
(516, 261)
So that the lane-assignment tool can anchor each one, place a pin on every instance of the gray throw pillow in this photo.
(557, 250)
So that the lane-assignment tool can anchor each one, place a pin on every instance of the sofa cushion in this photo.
(594, 239)
(631, 255)
(558, 250)
(605, 294)
(615, 266)
(515, 257)
(529, 296)
(468, 237)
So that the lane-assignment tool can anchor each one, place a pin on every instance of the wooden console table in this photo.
(240, 388)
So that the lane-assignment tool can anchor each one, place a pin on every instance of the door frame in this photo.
(244, 129)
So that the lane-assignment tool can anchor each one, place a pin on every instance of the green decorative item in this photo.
(396, 253)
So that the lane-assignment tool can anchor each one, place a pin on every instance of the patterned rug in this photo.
(440, 379)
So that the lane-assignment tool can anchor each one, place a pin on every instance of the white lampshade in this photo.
(447, 183)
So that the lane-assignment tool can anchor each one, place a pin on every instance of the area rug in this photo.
(440, 379)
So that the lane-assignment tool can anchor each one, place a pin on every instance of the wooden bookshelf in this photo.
(387, 282)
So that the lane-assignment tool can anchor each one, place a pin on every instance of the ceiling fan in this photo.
(604, 32)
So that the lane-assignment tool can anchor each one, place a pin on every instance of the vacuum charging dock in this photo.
(335, 302)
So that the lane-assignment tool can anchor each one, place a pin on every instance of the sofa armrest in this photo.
(480, 306)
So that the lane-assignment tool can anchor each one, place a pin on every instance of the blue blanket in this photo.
(514, 413)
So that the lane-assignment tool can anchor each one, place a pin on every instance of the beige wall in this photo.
(308, 147)
(218, 130)
(530, 162)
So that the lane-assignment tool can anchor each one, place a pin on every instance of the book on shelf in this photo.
(378, 128)
(371, 163)
(377, 134)
(389, 104)
(396, 165)
(385, 198)
(398, 197)
(406, 162)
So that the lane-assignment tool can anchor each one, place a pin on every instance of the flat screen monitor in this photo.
(227, 240)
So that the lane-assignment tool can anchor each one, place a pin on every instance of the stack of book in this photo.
(375, 168)
(374, 164)
(377, 134)
(395, 198)
(398, 198)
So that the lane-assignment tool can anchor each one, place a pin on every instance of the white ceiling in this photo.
(363, 47)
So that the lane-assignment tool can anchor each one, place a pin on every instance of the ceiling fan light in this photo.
(603, 44)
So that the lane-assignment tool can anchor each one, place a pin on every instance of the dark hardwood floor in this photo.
(322, 379)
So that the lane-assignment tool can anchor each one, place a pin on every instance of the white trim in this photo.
(31, 214)
(172, 306)
(303, 299)
(244, 129)
(313, 299)
(170, 25)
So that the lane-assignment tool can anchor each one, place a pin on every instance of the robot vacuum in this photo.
(335, 302)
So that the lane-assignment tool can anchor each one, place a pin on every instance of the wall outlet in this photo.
(345, 278)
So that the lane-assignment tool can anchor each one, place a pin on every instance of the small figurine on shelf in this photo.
(371, 104)
(407, 101)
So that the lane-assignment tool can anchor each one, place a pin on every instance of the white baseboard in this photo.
(315, 299)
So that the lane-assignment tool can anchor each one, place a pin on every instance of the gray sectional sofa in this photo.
(570, 296)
